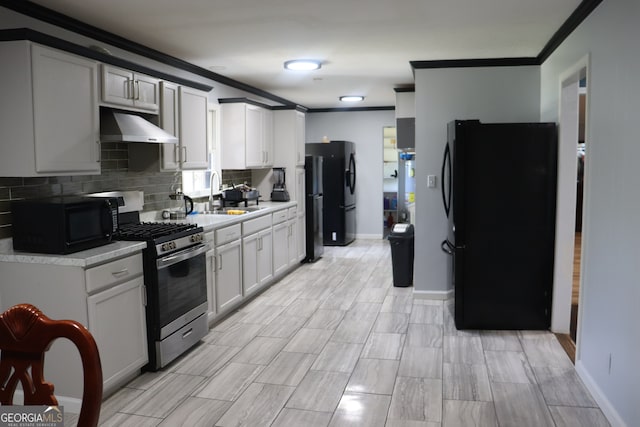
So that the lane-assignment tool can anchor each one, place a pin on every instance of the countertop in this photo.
(212, 221)
(118, 249)
(85, 259)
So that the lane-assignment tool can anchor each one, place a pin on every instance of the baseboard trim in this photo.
(369, 236)
(601, 399)
(71, 405)
(435, 295)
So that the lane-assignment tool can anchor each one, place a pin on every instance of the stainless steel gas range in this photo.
(175, 280)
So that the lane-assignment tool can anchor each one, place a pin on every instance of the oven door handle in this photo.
(181, 256)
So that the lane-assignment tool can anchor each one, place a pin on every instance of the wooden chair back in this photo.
(25, 335)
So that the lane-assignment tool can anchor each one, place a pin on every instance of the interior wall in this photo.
(364, 128)
(609, 339)
(492, 94)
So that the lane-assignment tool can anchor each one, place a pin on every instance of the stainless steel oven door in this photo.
(182, 288)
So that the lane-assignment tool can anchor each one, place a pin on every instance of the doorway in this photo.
(572, 151)
(390, 179)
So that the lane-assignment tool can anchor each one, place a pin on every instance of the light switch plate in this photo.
(431, 181)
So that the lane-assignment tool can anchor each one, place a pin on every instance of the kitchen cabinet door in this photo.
(49, 123)
(65, 112)
(193, 128)
(280, 248)
(267, 137)
(254, 155)
(117, 86)
(122, 87)
(301, 237)
(265, 257)
(247, 136)
(257, 261)
(299, 137)
(292, 241)
(211, 283)
(250, 246)
(117, 322)
(169, 121)
(228, 275)
(300, 191)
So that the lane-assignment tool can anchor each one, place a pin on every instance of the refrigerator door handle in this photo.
(446, 165)
(351, 174)
(447, 247)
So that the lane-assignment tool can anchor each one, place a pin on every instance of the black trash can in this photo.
(401, 239)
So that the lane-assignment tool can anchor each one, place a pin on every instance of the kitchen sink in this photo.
(234, 211)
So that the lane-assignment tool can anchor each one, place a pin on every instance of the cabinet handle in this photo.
(99, 155)
(259, 243)
(176, 154)
(136, 92)
(220, 264)
(120, 273)
(186, 334)
(184, 158)
(143, 289)
(131, 93)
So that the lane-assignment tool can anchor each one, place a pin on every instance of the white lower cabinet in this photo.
(302, 238)
(292, 241)
(256, 260)
(292, 235)
(211, 278)
(109, 299)
(280, 248)
(228, 275)
(119, 328)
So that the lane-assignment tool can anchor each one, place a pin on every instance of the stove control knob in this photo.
(168, 246)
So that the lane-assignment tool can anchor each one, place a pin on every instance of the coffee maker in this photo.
(279, 192)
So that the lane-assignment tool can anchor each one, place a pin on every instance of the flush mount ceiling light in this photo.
(302, 64)
(351, 98)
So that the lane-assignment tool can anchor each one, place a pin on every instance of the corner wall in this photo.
(490, 94)
(608, 334)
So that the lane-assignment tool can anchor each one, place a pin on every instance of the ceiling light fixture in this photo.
(351, 98)
(302, 65)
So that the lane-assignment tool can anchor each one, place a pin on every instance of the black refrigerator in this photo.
(499, 193)
(313, 204)
(339, 189)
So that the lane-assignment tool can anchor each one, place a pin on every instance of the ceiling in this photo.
(365, 45)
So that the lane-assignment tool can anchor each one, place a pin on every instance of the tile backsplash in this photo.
(115, 176)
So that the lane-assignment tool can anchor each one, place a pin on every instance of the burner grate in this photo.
(150, 230)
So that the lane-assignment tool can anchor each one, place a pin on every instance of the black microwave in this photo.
(63, 224)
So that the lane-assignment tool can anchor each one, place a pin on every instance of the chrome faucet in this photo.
(214, 182)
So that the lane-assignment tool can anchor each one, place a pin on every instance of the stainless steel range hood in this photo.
(117, 126)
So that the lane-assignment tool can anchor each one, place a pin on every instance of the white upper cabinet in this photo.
(193, 128)
(247, 136)
(169, 121)
(288, 135)
(49, 121)
(125, 88)
(183, 113)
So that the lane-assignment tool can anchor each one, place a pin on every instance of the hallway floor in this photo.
(335, 344)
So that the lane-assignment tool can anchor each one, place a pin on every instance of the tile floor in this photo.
(335, 344)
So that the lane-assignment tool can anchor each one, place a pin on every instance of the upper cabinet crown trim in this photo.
(56, 18)
(54, 42)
